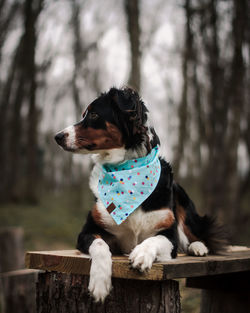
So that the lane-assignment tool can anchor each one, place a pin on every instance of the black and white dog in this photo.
(115, 129)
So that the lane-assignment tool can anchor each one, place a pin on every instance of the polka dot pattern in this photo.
(128, 184)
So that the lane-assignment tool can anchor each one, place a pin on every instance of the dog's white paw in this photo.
(151, 249)
(197, 248)
(100, 270)
(142, 257)
(99, 286)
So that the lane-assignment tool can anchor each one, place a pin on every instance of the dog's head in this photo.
(117, 119)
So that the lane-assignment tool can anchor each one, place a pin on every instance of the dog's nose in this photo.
(59, 138)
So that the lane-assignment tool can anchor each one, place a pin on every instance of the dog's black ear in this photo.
(130, 114)
(123, 100)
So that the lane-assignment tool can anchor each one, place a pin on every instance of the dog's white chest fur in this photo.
(137, 227)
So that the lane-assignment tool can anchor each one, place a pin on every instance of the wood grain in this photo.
(71, 261)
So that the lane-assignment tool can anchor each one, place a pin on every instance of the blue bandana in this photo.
(123, 187)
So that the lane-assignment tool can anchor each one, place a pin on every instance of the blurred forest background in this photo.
(190, 61)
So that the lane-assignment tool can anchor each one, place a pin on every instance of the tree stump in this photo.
(11, 249)
(226, 293)
(19, 291)
(58, 292)
(220, 301)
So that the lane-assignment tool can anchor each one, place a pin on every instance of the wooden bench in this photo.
(63, 287)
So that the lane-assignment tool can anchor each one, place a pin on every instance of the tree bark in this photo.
(19, 291)
(134, 32)
(63, 293)
(6, 90)
(81, 51)
(216, 121)
(32, 11)
(78, 53)
(23, 139)
(236, 103)
(183, 107)
(218, 301)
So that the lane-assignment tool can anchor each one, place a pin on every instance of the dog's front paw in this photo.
(142, 257)
(197, 248)
(99, 286)
(100, 270)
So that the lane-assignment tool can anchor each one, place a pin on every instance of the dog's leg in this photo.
(151, 249)
(198, 235)
(100, 270)
(90, 242)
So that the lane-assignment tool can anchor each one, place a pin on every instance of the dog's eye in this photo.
(93, 115)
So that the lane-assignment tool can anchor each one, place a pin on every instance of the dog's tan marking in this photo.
(168, 221)
(181, 217)
(100, 139)
(97, 216)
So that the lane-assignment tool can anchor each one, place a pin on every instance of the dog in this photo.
(115, 128)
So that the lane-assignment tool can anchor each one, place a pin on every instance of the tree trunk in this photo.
(236, 102)
(79, 54)
(216, 122)
(183, 107)
(134, 32)
(16, 132)
(32, 11)
(22, 140)
(6, 90)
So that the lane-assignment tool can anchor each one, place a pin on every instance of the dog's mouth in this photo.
(69, 149)
(75, 147)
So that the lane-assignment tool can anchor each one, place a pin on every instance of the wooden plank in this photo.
(80, 264)
(70, 261)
